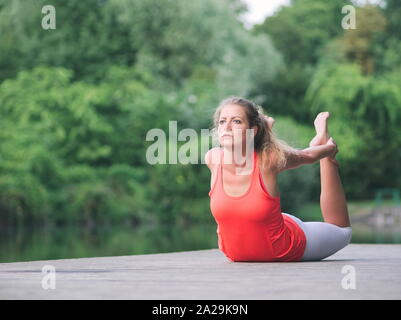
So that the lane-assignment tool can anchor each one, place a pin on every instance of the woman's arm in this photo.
(296, 158)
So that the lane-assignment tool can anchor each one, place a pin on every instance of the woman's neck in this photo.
(236, 160)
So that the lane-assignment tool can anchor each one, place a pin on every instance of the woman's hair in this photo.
(272, 149)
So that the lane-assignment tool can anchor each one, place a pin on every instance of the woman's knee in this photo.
(347, 234)
(324, 239)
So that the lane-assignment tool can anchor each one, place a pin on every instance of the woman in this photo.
(246, 207)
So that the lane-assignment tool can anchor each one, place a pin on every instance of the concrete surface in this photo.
(373, 270)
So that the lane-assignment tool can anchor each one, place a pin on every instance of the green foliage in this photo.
(300, 31)
(356, 44)
(364, 122)
(284, 93)
(354, 74)
(87, 36)
(169, 39)
(298, 136)
(76, 102)
(392, 11)
(56, 133)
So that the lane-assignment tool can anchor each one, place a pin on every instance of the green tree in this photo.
(392, 10)
(68, 140)
(169, 39)
(87, 36)
(300, 31)
(365, 110)
(356, 44)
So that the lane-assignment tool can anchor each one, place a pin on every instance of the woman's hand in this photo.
(319, 152)
(332, 156)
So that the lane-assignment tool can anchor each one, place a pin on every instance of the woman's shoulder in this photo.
(267, 164)
(212, 157)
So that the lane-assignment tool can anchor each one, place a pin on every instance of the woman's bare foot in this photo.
(322, 134)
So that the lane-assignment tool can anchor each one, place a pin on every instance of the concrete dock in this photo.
(359, 271)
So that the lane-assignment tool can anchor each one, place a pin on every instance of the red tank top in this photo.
(251, 227)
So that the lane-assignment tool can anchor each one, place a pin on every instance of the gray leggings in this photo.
(322, 239)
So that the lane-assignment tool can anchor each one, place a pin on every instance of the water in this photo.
(75, 242)
(381, 225)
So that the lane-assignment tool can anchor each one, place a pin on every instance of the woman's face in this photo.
(232, 125)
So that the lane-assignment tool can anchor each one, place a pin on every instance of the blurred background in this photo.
(77, 101)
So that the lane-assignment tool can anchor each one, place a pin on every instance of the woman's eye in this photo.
(235, 121)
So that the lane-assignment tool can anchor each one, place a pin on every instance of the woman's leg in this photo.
(325, 238)
(332, 197)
